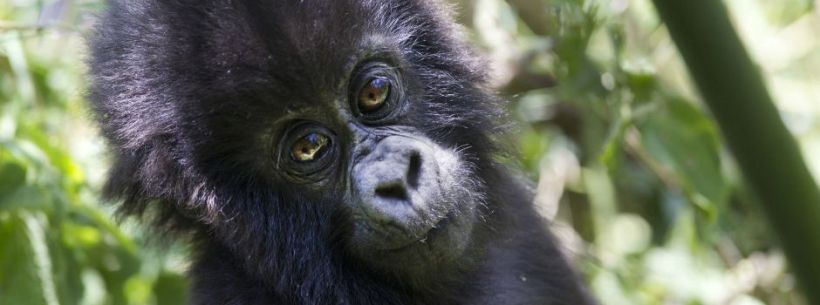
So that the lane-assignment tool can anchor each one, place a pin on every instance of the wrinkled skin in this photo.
(319, 152)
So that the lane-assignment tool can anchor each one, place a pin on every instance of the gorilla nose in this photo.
(392, 180)
(398, 189)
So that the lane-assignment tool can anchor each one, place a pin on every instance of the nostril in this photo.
(413, 170)
(392, 191)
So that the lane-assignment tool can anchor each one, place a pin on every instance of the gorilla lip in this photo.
(439, 227)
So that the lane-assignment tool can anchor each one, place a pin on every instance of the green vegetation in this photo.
(630, 165)
(736, 94)
(58, 245)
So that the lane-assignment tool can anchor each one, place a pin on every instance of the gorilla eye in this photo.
(308, 151)
(374, 94)
(310, 147)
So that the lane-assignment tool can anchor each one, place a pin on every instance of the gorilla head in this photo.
(319, 152)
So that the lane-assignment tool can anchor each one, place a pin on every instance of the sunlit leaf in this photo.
(19, 280)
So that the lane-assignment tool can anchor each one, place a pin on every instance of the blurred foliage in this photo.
(629, 166)
(58, 245)
(648, 201)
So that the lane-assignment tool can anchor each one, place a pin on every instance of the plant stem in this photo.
(766, 152)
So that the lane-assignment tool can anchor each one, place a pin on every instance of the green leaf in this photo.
(138, 290)
(684, 141)
(19, 282)
(29, 197)
(76, 235)
(170, 289)
(12, 176)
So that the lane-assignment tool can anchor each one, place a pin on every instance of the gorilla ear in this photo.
(142, 176)
(123, 185)
(148, 182)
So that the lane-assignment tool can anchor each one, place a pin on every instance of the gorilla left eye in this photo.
(374, 94)
(309, 147)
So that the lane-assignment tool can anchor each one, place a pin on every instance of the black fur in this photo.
(188, 93)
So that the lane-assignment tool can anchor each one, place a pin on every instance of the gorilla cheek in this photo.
(411, 197)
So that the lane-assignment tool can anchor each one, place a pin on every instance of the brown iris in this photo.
(374, 94)
(309, 147)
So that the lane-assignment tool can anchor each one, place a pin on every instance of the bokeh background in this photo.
(628, 163)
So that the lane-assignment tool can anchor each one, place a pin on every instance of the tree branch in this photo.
(766, 152)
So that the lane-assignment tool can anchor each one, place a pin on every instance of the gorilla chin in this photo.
(417, 204)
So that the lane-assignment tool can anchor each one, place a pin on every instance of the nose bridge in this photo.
(397, 149)
(358, 134)
(391, 157)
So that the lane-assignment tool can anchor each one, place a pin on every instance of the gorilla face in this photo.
(408, 197)
(300, 135)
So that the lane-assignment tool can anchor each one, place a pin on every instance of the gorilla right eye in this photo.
(308, 150)
(309, 147)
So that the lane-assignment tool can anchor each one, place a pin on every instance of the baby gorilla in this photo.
(319, 152)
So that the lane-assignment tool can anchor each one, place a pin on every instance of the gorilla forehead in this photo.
(295, 47)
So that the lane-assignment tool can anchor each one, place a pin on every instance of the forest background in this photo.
(630, 164)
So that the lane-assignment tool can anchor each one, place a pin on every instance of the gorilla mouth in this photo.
(440, 227)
